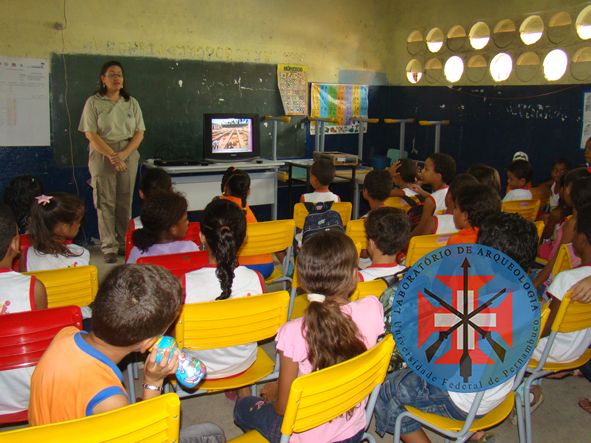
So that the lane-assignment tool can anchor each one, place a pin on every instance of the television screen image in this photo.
(231, 135)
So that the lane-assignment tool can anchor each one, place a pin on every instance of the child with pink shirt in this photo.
(332, 330)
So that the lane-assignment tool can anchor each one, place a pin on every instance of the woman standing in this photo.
(113, 124)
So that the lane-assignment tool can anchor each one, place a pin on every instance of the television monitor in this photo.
(230, 137)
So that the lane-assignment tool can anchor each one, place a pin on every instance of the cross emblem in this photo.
(465, 320)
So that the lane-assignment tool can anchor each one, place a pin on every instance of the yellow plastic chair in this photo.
(321, 396)
(231, 322)
(540, 225)
(540, 193)
(421, 245)
(563, 260)
(343, 208)
(528, 209)
(369, 288)
(356, 231)
(267, 238)
(69, 286)
(154, 420)
(571, 317)
(397, 202)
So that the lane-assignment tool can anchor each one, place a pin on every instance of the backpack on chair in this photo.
(415, 212)
(387, 300)
(321, 218)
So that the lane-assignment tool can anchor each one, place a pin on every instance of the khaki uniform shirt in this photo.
(113, 122)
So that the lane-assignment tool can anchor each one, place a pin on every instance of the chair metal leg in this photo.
(519, 413)
(130, 383)
(370, 438)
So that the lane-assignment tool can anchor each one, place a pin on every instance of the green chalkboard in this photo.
(173, 95)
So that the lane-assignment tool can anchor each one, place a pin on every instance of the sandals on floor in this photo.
(487, 437)
(585, 405)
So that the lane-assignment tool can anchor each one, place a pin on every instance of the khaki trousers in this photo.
(112, 193)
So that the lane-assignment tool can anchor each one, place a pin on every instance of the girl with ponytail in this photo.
(164, 225)
(332, 330)
(223, 229)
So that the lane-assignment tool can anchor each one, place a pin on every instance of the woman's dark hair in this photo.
(19, 195)
(583, 225)
(45, 216)
(102, 89)
(326, 265)
(223, 225)
(159, 213)
(155, 180)
(573, 175)
(581, 192)
(236, 183)
(7, 229)
(487, 175)
(135, 302)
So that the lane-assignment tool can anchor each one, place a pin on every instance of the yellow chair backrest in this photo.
(356, 231)
(320, 396)
(540, 193)
(528, 209)
(540, 225)
(268, 237)
(563, 260)
(397, 202)
(69, 286)
(343, 208)
(231, 322)
(367, 288)
(154, 420)
(423, 244)
(572, 316)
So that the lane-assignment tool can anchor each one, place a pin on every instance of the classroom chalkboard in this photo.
(173, 95)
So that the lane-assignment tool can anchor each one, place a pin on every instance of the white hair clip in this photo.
(319, 298)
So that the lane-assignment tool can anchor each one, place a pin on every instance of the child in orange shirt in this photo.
(472, 205)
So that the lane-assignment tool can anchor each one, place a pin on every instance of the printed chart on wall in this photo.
(293, 86)
(342, 102)
(24, 102)
(586, 131)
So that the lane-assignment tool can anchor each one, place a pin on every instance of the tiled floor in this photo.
(558, 419)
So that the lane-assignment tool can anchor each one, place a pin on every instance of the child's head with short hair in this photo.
(19, 195)
(406, 173)
(473, 203)
(567, 183)
(439, 170)
(327, 268)
(581, 192)
(487, 175)
(322, 173)
(236, 183)
(54, 219)
(164, 219)
(559, 168)
(387, 230)
(9, 240)
(512, 235)
(135, 303)
(459, 181)
(223, 229)
(376, 187)
(154, 180)
(519, 174)
(582, 240)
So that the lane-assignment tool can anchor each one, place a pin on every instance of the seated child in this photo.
(332, 330)
(223, 229)
(587, 153)
(559, 168)
(236, 188)
(164, 224)
(376, 188)
(19, 293)
(519, 177)
(19, 195)
(322, 174)
(404, 176)
(439, 171)
(152, 181)
(78, 374)
(387, 230)
(487, 175)
(516, 237)
(473, 203)
(54, 223)
(568, 347)
(444, 223)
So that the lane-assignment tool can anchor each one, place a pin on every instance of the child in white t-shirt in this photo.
(54, 222)
(387, 230)
(223, 229)
(322, 174)
(519, 177)
(20, 293)
(516, 237)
